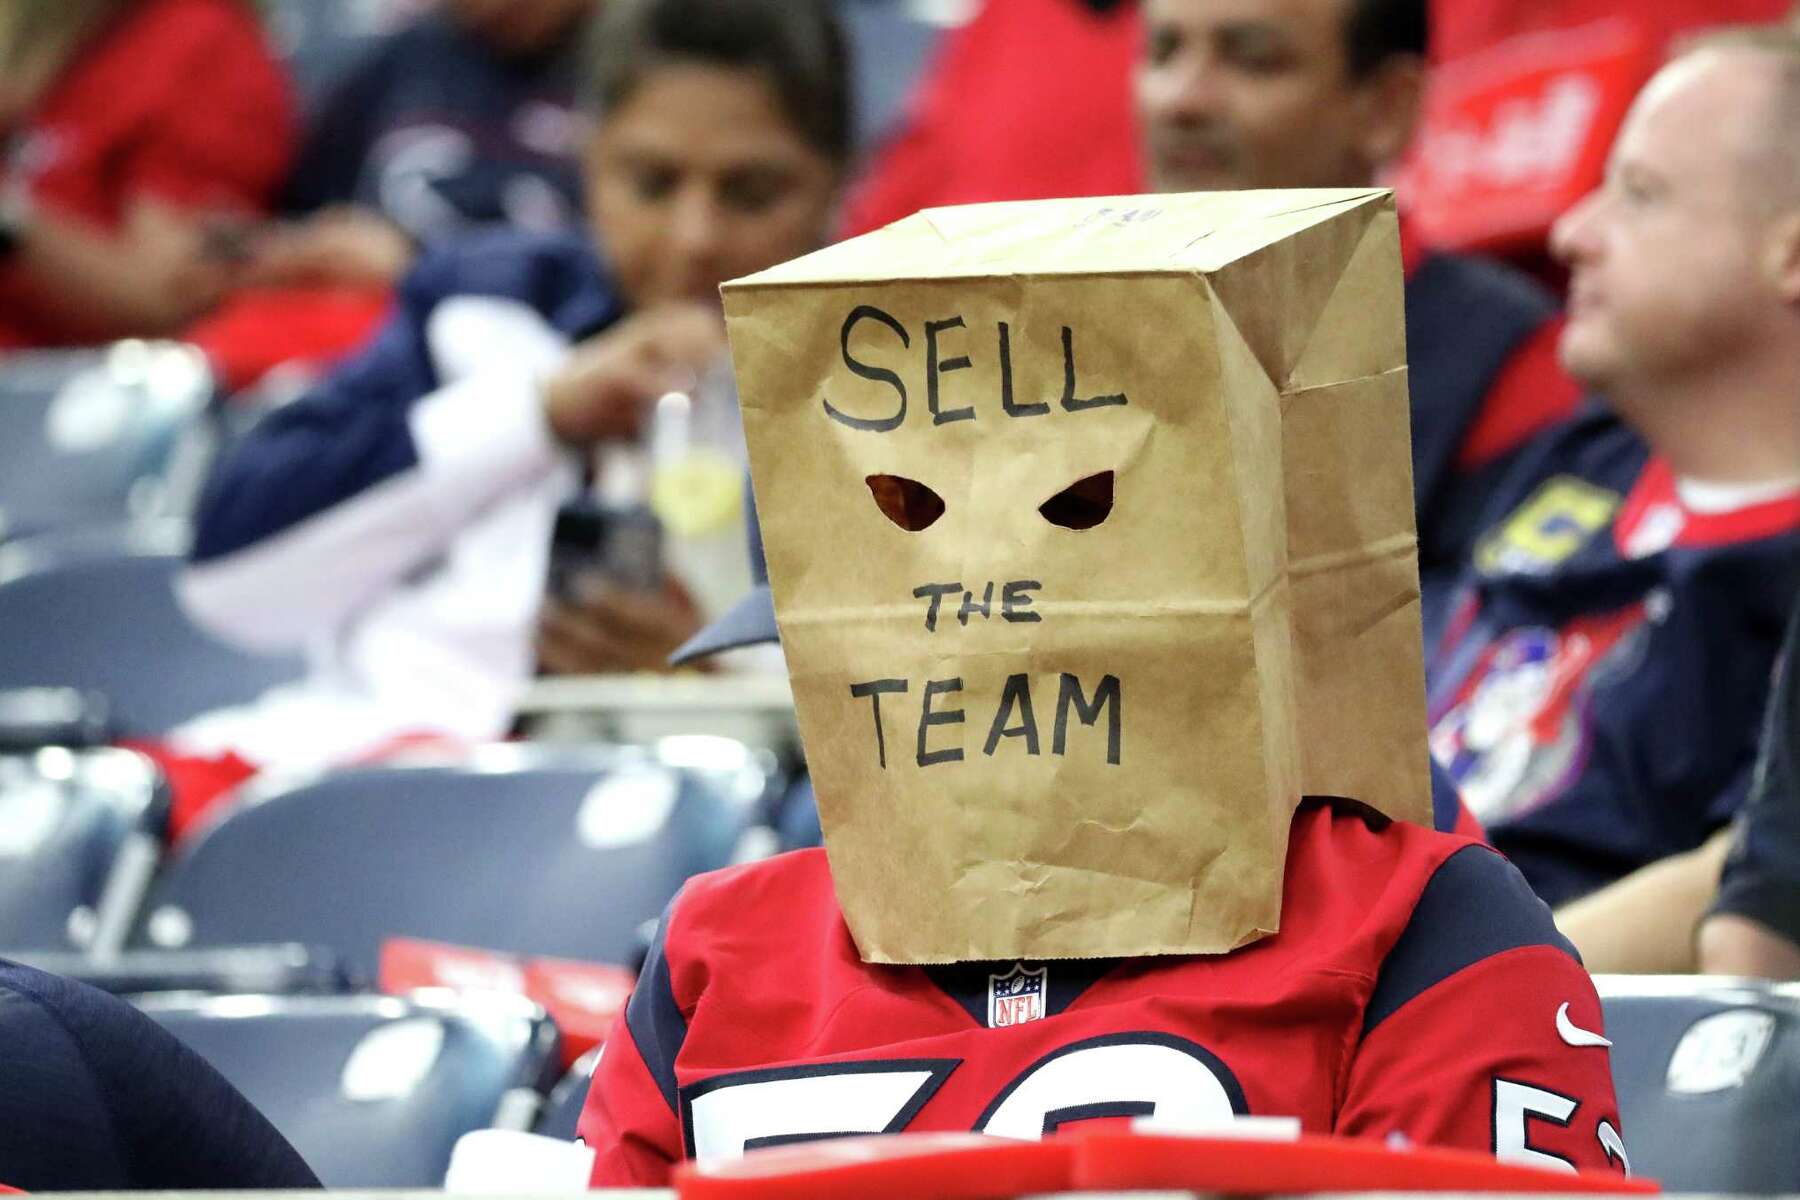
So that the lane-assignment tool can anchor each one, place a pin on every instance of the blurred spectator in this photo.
(461, 119)
(464, 118)
(1732, 907)
(1753, 926)
(135, 136)
(1646, 922)
(1031, 99)
(1525, 98)
(100, 1098)
(1268, 94)
(1598, 699)
(397, 521)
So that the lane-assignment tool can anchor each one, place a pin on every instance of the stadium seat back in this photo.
(66, 816)
(373, 1091)
(321, 40)
(562, 1112)
(1707, 1073)
(100, 435)
(515, 848)
(95, 610)
(891, 43)
(278, 970)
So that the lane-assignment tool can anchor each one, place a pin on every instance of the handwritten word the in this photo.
(1015, 601)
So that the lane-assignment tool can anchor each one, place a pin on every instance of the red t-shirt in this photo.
(1416, 988)
(177, 100)
(1031, 100)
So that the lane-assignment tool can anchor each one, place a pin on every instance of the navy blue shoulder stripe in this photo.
(1477, 905)
(1446, 801)
(653, 1017)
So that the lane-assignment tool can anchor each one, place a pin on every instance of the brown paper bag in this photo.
(1090, 534)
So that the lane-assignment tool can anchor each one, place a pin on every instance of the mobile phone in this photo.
(226, 240)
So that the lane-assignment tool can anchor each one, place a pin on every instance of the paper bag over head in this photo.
(1089, 525)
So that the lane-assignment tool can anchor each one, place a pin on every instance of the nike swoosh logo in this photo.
(1574, 1034)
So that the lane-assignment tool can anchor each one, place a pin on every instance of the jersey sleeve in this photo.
(1530, 394)
(1484, 1031)
(224, 138)
(1761, 877)
(907, 170)
(1449, 814)
(632, 1119)
(374, 473)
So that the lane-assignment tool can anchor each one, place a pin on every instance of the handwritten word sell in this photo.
(938, 365)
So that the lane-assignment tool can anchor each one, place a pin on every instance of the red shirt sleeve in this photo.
(223, 135)
(635, 1135)
(630, 1119)
(904, 172)
(1531, 393)
(1030, 99)
(1505, 1056)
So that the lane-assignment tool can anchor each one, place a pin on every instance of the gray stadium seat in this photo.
(891, 42)
(514, 848)
(280, 970)
(562, 1112)
(1708, 1079)
(94, 610)
(80, 831)
(101, 435)
(319, 40)
(373, 1091)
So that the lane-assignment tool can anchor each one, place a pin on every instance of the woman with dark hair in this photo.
(396, 522)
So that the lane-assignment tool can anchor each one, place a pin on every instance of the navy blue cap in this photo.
(749, 622)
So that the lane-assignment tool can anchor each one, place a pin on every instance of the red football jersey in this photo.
(1417, 987)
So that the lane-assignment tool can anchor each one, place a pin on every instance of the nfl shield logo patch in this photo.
(1017, 996)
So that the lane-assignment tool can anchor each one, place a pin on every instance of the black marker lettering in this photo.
(1014, 600)
(985, 608)
(937, 591)
(927, 718)
(935, 367)
(1107, 694)
(1069, 402)
(879, 374)
(1006, 389)
(874, 689)
(1017, 694)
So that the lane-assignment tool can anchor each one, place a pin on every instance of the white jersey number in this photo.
(1119, 1075)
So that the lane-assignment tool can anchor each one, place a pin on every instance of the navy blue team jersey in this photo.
(440, 133)
(1466, 322)
(1598, 696)
(1761, 879)
(353, 431)
(95, 1096)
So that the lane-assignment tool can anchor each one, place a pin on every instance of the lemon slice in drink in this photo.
(699, 493)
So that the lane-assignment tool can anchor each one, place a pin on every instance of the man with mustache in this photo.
(1325, 93)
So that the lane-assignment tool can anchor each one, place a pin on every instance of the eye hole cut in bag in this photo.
(906, 502)
(1083, 504)
(914, 507)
